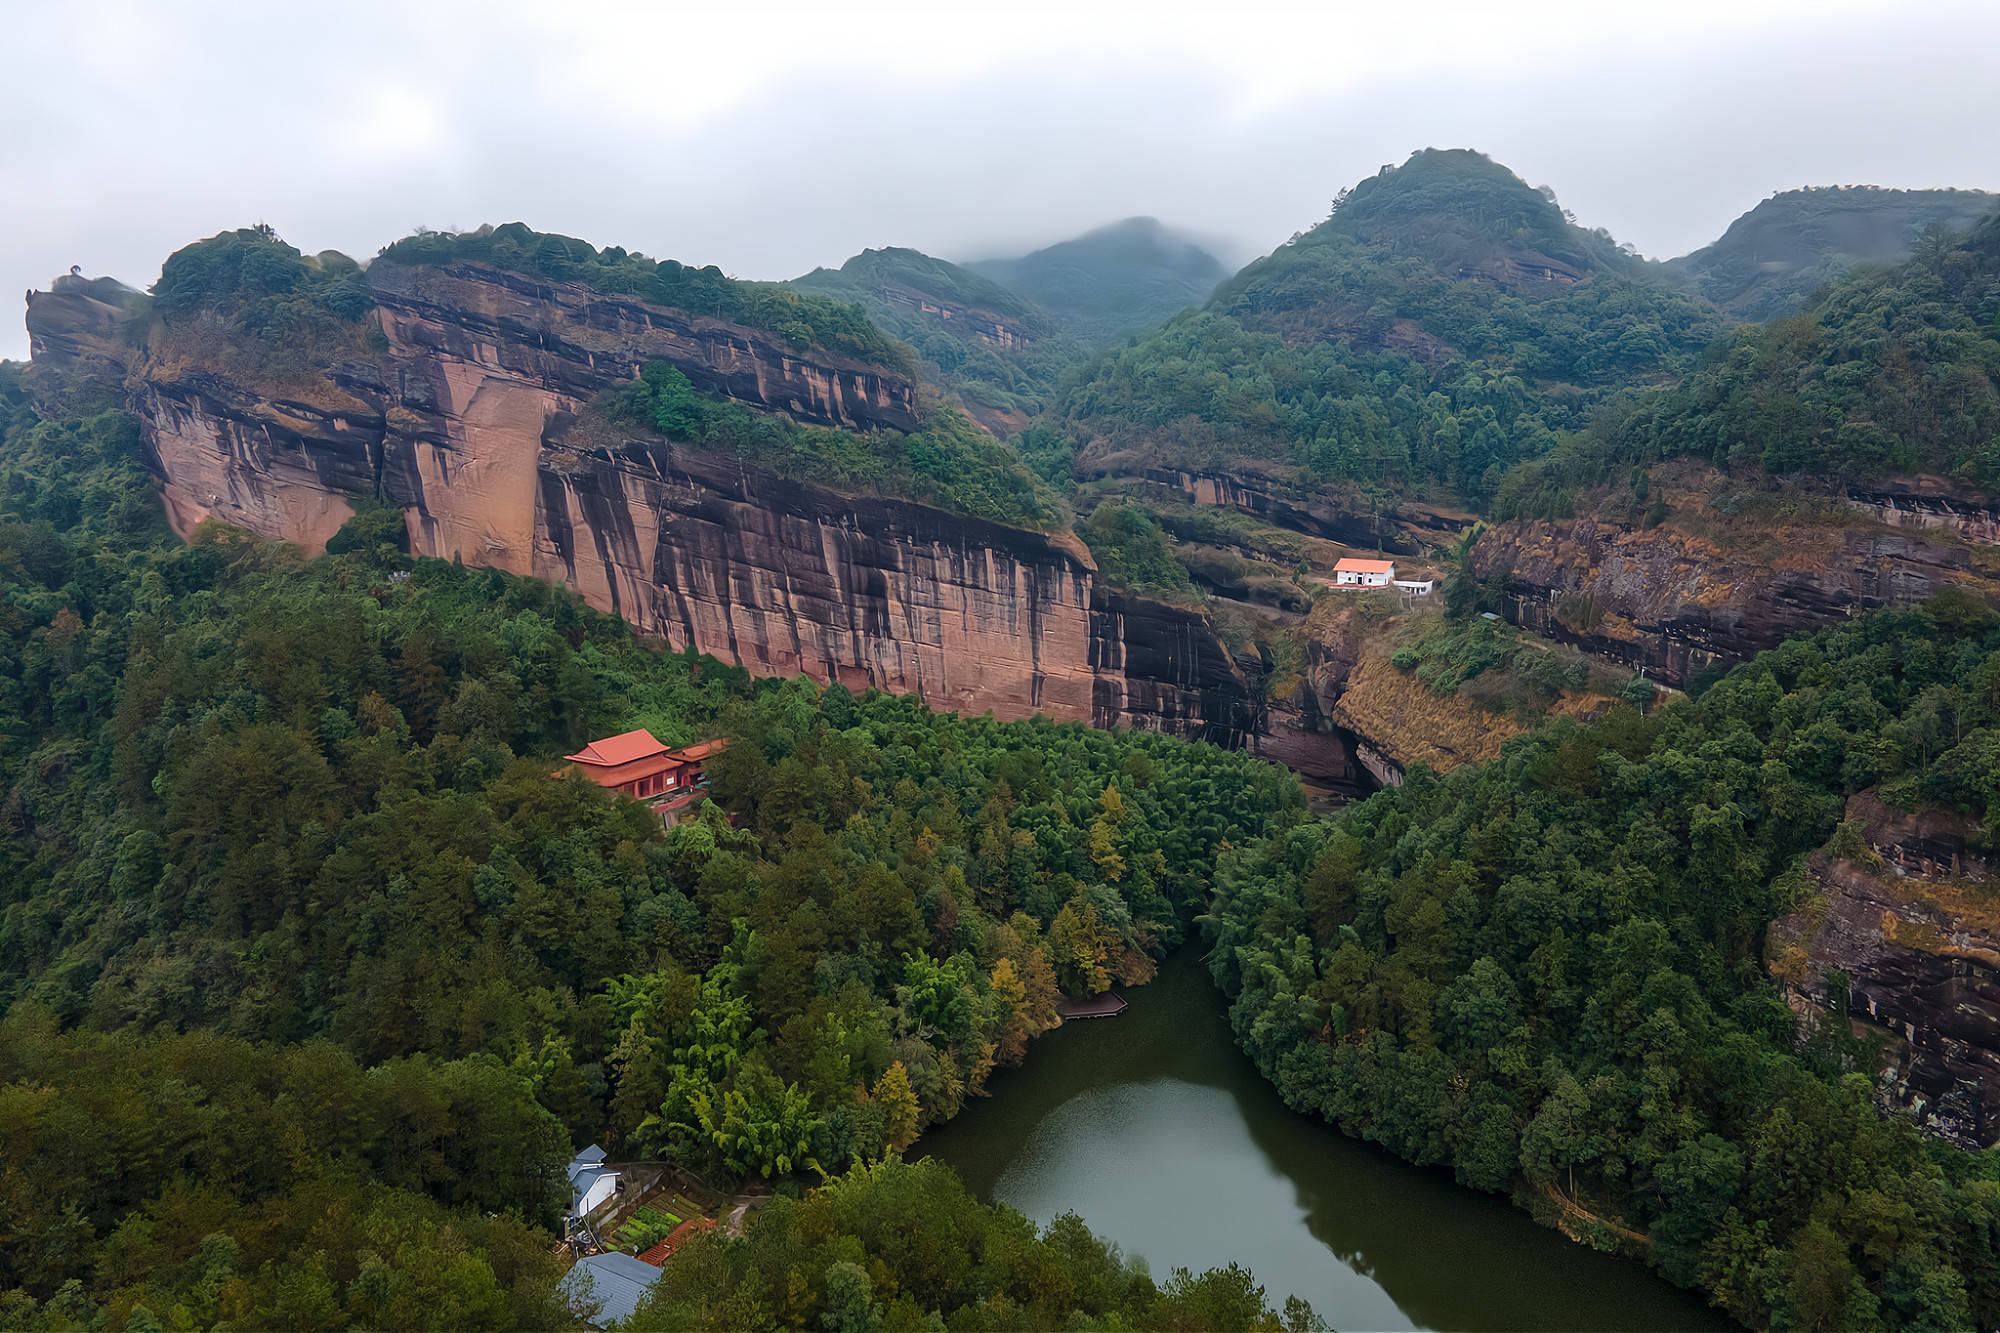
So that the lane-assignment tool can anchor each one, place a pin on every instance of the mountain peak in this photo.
(1471, 216)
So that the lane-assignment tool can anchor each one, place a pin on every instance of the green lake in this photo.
(1161, 1134)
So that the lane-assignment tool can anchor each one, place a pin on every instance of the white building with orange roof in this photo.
(1352, 573)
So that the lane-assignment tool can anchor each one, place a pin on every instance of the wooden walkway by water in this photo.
(1106, 1005)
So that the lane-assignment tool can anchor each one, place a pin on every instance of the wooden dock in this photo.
(1106, 1005)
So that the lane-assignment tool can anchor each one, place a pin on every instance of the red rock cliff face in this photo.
(1674, 603)
(471, 420)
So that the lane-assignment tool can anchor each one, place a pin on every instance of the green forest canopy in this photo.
(283, 843)
(1543, 973)
(1445, 323)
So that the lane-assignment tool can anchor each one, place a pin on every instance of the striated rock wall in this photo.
(1409, 528)
(472, 421)
(1928, 505)
(1911, 943)
(1673, 603)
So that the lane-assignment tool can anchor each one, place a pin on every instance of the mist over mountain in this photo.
(1779, 253)
(1114, 281)
(998, 349)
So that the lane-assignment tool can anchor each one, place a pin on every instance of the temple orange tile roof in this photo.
(621, 749)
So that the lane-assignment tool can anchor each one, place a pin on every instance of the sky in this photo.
(770, 138)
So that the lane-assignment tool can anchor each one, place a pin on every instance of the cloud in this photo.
(771, 138)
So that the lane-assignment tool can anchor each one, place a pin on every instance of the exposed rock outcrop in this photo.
(1409, 528)
(471, 418)
(1674, 603)
(77, 339)
(1910, 942)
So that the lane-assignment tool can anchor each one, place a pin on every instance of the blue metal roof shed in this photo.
(614, 1281)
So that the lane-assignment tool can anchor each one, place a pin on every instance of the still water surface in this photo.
(1162, 1135)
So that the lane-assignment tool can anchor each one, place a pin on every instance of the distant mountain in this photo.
(1894, 369)
(1773, 258)
(1000, 351)
(1112, 282)
(1440, 326)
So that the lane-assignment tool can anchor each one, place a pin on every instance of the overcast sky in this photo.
(771, 138)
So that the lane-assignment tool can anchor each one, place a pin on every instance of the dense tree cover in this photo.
(895, 284)
(251, 301)
(1444, 324)
(1890, 370)
(280, 840)
(917, 894)
(947, 462)
(896, 1248)
(1133, 552)
(1113, 282)
(804, 320)
(1542, 971)
(1774, 258)
(209, 1181)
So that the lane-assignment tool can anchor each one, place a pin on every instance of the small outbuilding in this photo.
(613, 1282)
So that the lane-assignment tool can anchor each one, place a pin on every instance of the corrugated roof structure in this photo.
(612, 1281)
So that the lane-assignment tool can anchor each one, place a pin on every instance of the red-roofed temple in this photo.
(639, 765)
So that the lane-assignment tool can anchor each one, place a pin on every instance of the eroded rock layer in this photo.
(1909, 942)
(1674, 602)
(470, 417)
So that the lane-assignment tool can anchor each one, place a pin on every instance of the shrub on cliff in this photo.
(948, 461)
(272, 312)
(1133, 552)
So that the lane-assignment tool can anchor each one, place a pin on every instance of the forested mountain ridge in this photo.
(1843, 457)
(1773, 259)
(1894, 370)
(1441, 326)
(998, 349)
(1113, 282)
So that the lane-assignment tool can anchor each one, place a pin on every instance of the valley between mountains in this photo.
(1027, 593)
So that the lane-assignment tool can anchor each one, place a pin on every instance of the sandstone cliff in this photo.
(1389, 716)
(1706, 588)
(469, 415)
(1906, 933)
(1406, 528)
